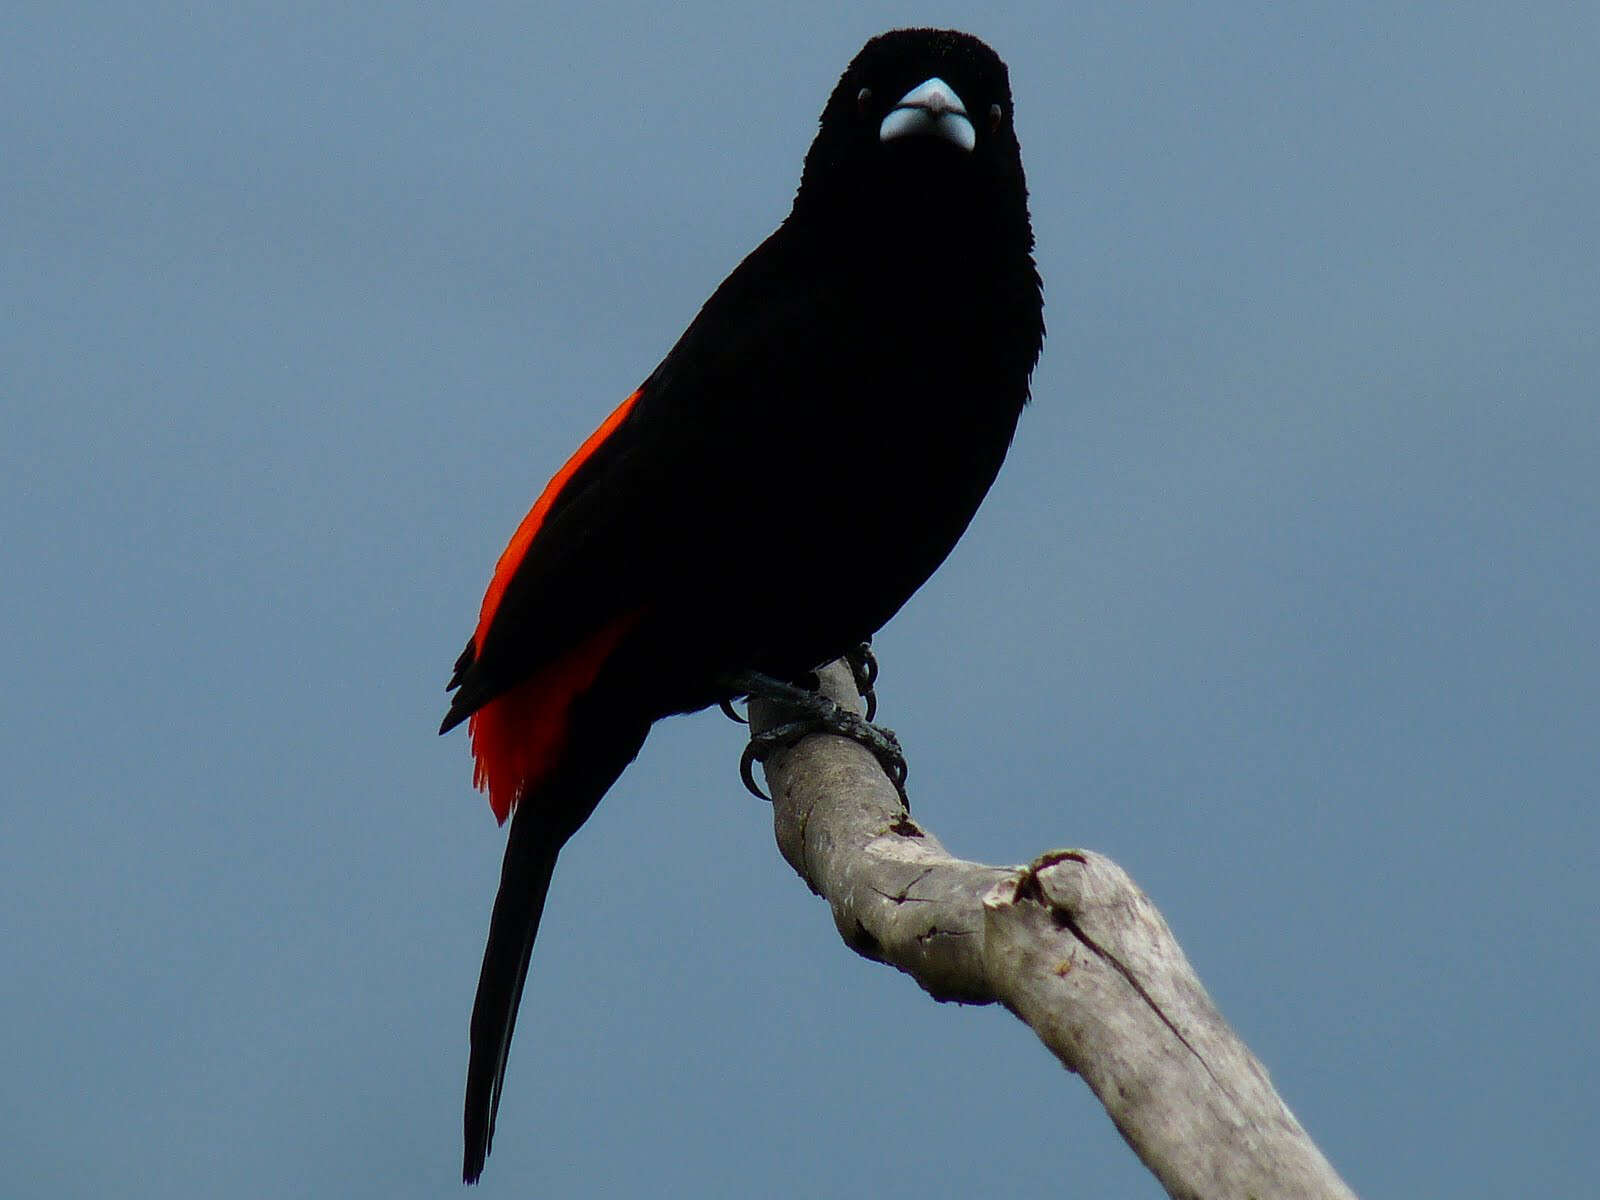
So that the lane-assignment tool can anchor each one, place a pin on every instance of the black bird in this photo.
(840, 406)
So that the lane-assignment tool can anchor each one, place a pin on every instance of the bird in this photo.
(800, 462)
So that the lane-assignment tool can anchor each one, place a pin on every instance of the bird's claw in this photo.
(822, 715)
(753, 753)
(864, 669)
(760, 745)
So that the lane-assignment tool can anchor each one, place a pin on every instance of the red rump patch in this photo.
(517, 737)
(517, 549)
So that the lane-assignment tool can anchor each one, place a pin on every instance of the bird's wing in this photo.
(600, 544)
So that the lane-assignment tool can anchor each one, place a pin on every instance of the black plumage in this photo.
(839, 407)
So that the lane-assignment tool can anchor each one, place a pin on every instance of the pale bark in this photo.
(1069, 944)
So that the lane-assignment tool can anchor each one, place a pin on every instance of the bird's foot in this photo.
(816, 713)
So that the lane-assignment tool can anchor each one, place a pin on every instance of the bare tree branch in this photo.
(1069, 944)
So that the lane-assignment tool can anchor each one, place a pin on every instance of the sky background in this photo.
(1285, 599)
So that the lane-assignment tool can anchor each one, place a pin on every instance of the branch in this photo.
(1069, 944)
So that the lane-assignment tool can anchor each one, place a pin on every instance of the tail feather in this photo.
(542, 823)
(524, 883)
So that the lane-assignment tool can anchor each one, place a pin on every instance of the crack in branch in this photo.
(933, 931)
(906, 827)
(904, 896)
(1065, 920)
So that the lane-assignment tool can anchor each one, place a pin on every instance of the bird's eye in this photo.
(995, 113)
(863, 98)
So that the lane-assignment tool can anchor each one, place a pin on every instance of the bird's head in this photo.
(918, 134)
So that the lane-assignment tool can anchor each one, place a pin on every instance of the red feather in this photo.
(517, 737)
(511, 557)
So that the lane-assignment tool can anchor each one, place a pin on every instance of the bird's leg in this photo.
(813, 713)
(806, 684)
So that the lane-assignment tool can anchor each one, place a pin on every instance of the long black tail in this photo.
(524, 882)
(542, 824)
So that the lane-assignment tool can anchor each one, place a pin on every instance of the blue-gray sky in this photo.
(1286, 598)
